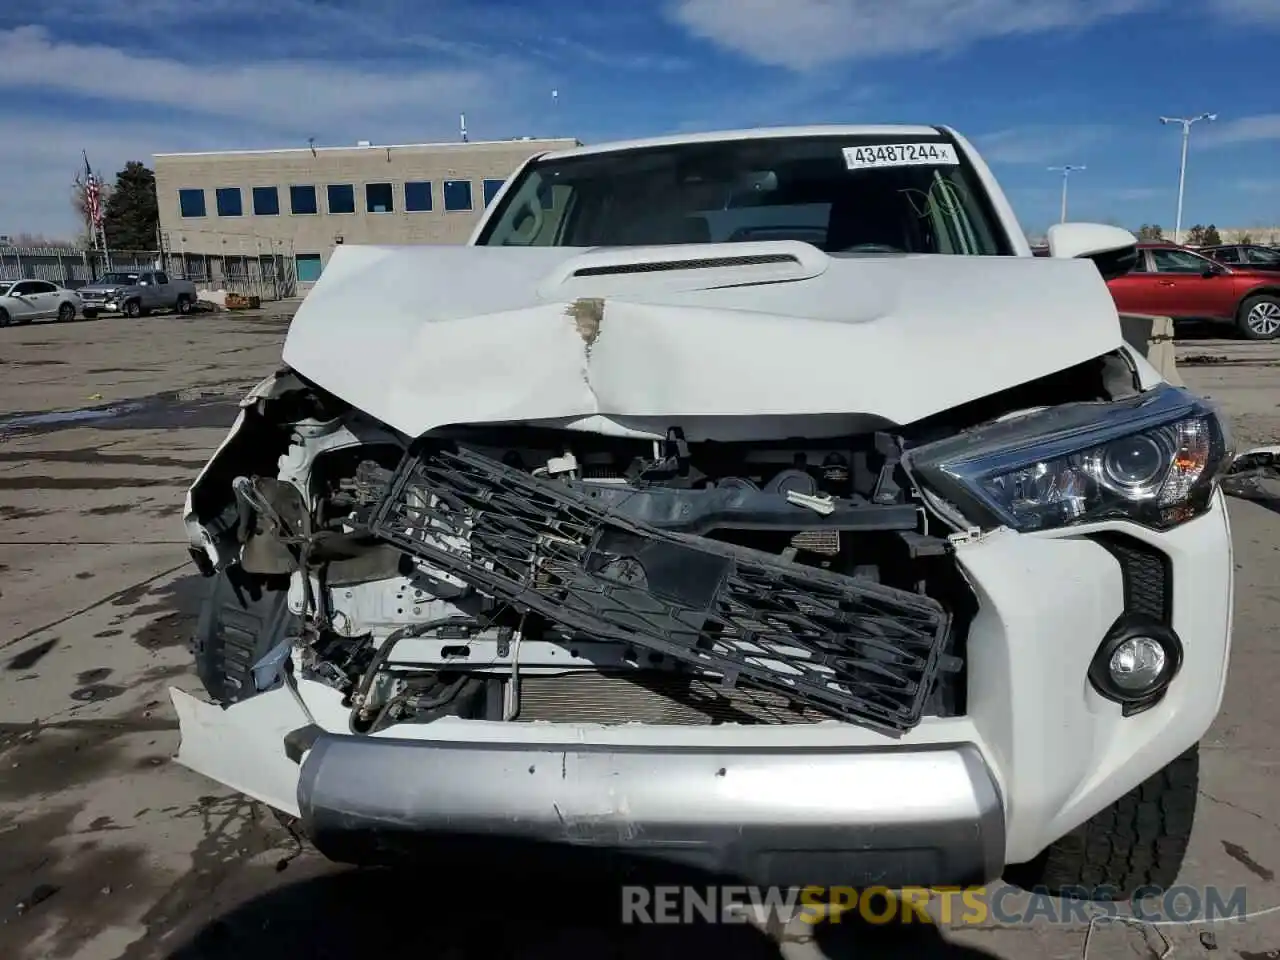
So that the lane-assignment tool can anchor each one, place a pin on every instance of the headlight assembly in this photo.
(1153, 459)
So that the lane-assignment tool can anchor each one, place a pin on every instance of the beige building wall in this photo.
(309, 234)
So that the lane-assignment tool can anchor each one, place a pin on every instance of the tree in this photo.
(1246, 238)
(1150, 232)
(131, 214)
(1195, 236)
(1211, 237)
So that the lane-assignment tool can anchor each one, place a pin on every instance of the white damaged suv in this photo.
(754, 501)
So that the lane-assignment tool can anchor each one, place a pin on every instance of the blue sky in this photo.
(1034, 83)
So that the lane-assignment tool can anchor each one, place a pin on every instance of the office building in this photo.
(286, 210)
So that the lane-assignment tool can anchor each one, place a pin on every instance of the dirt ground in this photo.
(110, 850)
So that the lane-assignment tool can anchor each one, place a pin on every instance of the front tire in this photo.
(1259, 317)
(184, 305)
(5, 319)
(66, 313)
(91, 314)
(1138, 841)
(133, 309)
(243, 618)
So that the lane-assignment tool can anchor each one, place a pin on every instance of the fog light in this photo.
(1136, 662)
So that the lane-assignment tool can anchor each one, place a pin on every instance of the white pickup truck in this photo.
(137, 293)
(753, 500)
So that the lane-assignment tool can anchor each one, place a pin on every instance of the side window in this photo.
(228, 202)
(379, 198)
(491, 188)
(1178, 261)
(191, 202)
(266, 202)
(1227, 255)
(162, 278)
(44, 286)
(457, 194)
(302, 200)
(1140, 265)
(24, 289)
(1263, 255)
(342, 198)
(417, 196)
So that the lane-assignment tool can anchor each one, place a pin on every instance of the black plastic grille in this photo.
(1148, 583)
(856, 649)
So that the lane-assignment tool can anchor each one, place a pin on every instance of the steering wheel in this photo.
(871, 248)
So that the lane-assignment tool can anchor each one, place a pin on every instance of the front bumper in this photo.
(792, 818)
(950, 801)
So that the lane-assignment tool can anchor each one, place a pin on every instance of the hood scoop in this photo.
(620, 270)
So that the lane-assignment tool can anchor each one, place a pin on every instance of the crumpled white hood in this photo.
(421, 337)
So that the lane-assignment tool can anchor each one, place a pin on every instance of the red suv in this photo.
(1172, 281)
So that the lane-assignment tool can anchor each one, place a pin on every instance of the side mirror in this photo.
(1214, 270)
(1113, 249)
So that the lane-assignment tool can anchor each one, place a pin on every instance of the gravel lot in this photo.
(107, 849)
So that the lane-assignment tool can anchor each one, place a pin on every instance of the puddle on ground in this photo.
(172, 409)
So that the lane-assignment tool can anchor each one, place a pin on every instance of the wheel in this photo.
(1259, 317)
(243, 618)
(184, 305)
(91, 314)
(133, 309)
(67, 312)
(5, 319)
(1140, 840)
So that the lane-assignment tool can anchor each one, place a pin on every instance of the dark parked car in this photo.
(1172, 281)
(1251, 256)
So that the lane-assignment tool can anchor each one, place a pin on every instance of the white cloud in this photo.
(1265, 12)
(803, 34)
(1264, 126)
(37, 169)
(305, 97)
(154, 104)
(1040, 144)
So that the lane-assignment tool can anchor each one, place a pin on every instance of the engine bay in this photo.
(522, 572)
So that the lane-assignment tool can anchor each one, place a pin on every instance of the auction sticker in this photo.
(900, 155)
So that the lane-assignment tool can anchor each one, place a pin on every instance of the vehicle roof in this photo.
(753, 133)
(1228, 246)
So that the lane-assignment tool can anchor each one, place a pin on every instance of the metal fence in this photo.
(269, 276)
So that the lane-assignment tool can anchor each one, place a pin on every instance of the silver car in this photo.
(22, 301)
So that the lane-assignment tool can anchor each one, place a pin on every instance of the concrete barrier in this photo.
(1153, 338)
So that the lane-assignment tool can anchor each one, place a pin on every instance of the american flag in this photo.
(92, 194)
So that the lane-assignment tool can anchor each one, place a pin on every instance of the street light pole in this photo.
(1186, 123)
(1066, 172)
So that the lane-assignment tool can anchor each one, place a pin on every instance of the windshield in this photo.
(842, 194)
(123, 279)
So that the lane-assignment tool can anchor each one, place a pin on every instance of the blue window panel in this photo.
(491, 188)
(191, 203)
(266, 202)
(342, 198)
(228, 202)
(303, 200)
(308, 267)
(417, 196)
(457, 194)
(379, 198)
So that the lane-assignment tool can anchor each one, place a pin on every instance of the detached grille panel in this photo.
(857, 650)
